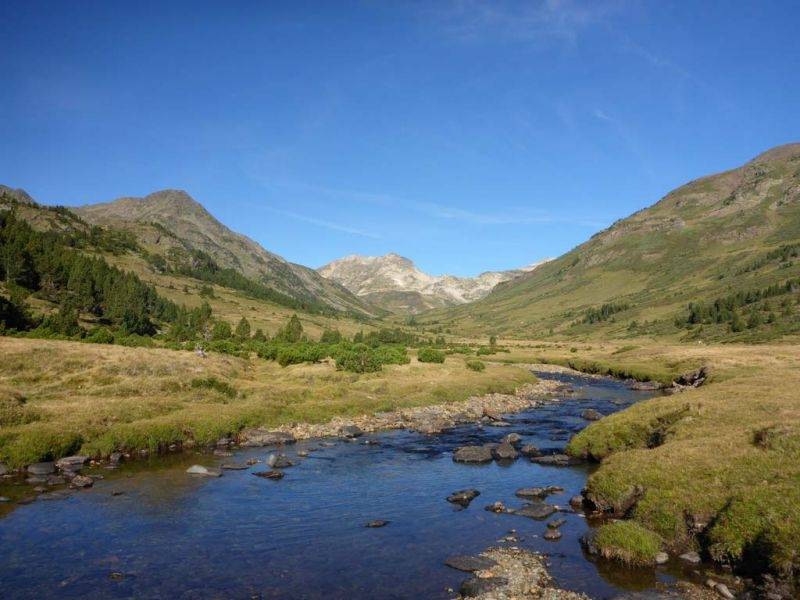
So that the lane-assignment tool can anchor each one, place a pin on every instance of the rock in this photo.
(205, 471)
(723, 591)
(377, 523)
(42, 468)
(463, 497)
(432, 426)
(36, 479)
(259, 437)
(251, 461)
(537, 510)
(221, 452)
(576, 502)
(476, 586)
(591, 414)
(538, 492)
(234, 466)
(530, 451)
(473, 454)
(115, 459)
(469, 564)
(350, 431)
(501, 424)
(556, 523)
(497, 507)
(690, 557)
(269, 474)
(279, 461)
(81, 481)
(555, 460)
(224, 441)
(532, 492)
(692, 378)
(56, 480)
(3, 470)
(302, 453)
(552, 535)
(513, 439)
(72, 463)
(661, 558)
(5, 499)
(505, 451)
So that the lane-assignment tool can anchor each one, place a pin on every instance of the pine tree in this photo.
(243, 329)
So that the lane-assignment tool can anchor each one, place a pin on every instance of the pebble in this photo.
(690, 557)
(552, 535)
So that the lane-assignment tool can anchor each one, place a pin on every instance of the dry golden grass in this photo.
(104, 398)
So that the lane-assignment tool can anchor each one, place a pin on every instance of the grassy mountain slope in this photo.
(171, 224)
(713, 237)
(127, 249)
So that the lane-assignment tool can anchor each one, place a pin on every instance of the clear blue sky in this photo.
(465, 135)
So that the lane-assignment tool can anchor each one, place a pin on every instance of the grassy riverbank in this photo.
(59, 397)
(715, 468)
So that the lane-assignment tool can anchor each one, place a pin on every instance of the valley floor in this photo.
(59, 397)
(714, 468)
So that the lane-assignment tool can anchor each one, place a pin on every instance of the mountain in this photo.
(395, 283)
(171, 225)
(727, 243)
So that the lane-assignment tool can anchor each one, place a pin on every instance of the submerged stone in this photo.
(469, 564)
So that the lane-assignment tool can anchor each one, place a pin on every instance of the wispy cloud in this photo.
(510, 216)
(533, 20)
(322, 223)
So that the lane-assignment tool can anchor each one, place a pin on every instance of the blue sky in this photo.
(466, 135)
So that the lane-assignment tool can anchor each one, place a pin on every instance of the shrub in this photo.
(391, 355)
(476, 365)
(300, 352)
(430, 355)
(486, 350)
(101, 335)
(358, 359)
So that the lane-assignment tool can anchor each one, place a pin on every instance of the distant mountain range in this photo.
(395, 283)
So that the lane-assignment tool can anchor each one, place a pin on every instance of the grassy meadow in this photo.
(60, 397)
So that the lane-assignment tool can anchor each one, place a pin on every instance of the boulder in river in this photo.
(72, 463)
(433, 425)
(469, 564)
(234, 466)
(272, 474)
(556, 523)
(350, 431)
(259, 437)
(377, 523)
(473, 454)
(538, 492)
(81, 481)
(552, 535)
(591, 414)
(497, 507)
(536, 510)
(505, 451)
(530, 451)
(279, 461)
(556, 460)
(205, 471)
(512, 438)
(42, 468)
(478, 586)
(576, 501)
(463, 497)
(690, 557)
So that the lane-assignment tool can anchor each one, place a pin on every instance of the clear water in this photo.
(171, 535)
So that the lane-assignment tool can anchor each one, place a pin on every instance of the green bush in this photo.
(486, 350)
(391, 355)
(101, 335)
(430, 355)
(300, 352)
(476, 365)
(357, 359)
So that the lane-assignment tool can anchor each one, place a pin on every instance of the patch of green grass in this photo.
(476, 365)
(628, 542)
(212, 383)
